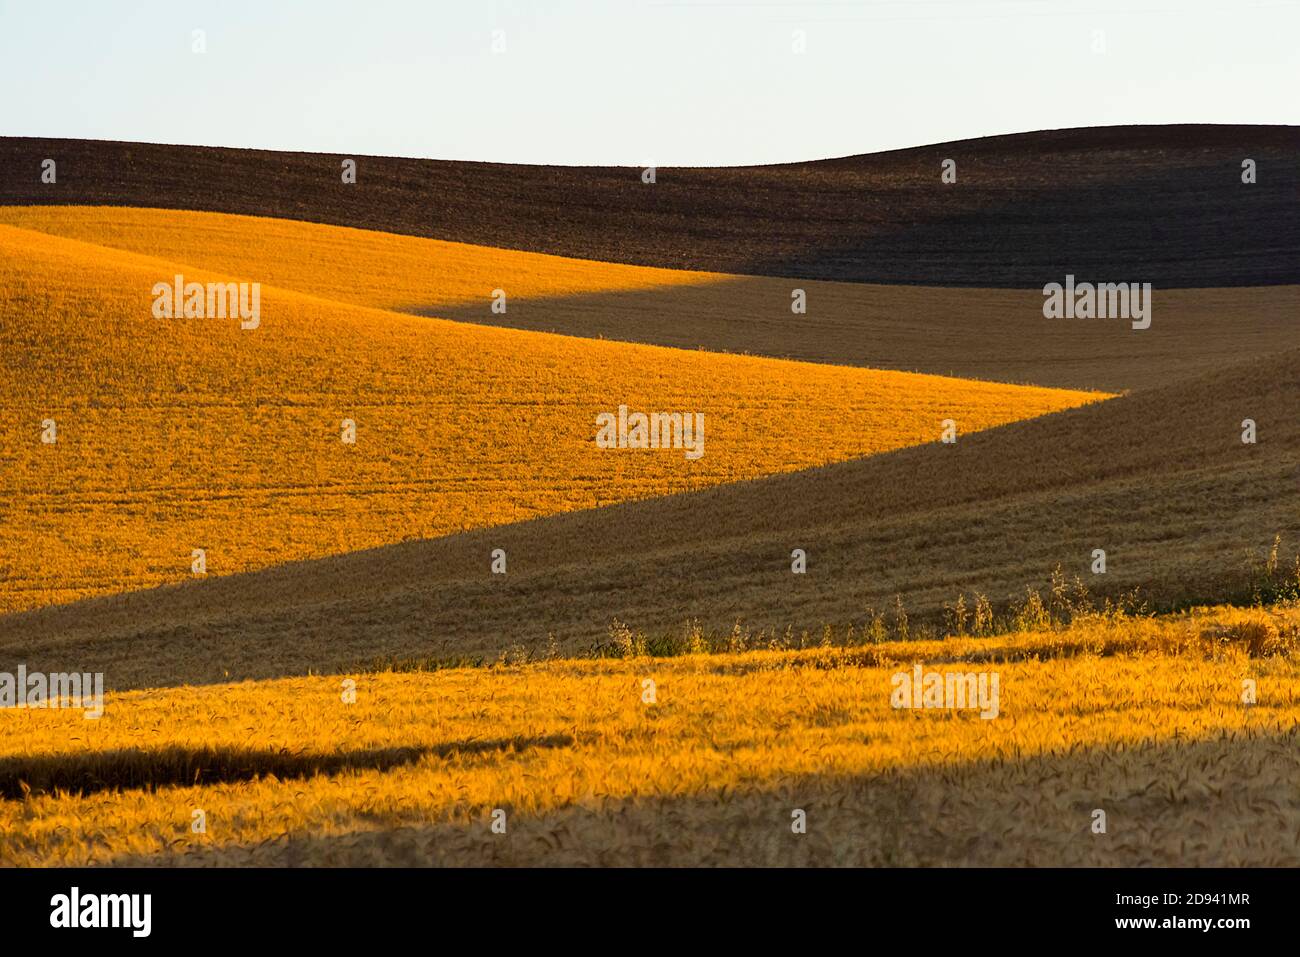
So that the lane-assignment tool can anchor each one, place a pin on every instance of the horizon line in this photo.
(800, 162)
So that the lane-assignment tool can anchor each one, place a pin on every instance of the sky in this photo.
(635, 82)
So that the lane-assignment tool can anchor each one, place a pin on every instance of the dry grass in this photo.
(184, 434)
(1142, 718)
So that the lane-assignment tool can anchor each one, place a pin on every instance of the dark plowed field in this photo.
(1163, 204)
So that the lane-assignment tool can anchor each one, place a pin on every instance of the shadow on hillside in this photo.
(1224, 802)
(149, 769)
(1159, 479)
(997, 335)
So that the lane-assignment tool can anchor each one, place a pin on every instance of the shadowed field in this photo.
(1160, 204)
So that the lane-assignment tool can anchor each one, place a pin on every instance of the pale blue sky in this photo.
(635, 82)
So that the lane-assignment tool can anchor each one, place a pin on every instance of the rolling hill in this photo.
(182, 434)
(1165, 201)
(351, 681)
(1159, 479)
(990, 334)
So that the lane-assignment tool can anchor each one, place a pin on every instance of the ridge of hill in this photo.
(1159, 204)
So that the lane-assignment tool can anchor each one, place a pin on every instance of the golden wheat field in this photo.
(349, 681)
(176, 435)
(696, 759)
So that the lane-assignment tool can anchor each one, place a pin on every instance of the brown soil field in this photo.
(1159, 204)
(1160, 479)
